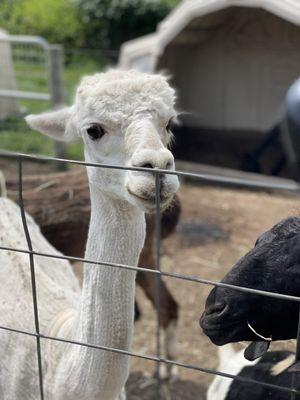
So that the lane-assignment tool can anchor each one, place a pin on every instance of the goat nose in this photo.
(216, 309)
(162, 159)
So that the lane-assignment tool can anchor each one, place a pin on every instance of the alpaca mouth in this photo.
(149, 200)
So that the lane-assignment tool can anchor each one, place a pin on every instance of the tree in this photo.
(108, 23)
(55, 20)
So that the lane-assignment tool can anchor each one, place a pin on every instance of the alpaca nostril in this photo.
(169, 165)
(216, 309)
(153, 159)
(146, 165)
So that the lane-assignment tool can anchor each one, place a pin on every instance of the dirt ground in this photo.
(216, 228)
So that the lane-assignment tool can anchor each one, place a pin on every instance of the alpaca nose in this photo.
(162, 159)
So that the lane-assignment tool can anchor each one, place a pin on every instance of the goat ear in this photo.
(57, 124)
(256, 350)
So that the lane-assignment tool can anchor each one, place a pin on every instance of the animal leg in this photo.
(168, 320)
(168, 307)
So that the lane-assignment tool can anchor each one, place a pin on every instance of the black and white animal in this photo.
(272, 265)
(231, 316)
(270, 368)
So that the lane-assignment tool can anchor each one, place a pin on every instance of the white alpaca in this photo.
(122, 119)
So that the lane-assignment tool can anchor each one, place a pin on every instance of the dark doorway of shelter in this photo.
(251, 161)
(287, 132)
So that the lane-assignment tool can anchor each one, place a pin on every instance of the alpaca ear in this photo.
(57, 124)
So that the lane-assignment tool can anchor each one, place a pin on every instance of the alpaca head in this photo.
(123, 118)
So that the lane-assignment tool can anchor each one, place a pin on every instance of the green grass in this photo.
(14, 133)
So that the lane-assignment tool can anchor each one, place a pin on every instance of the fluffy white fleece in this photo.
(122, 95)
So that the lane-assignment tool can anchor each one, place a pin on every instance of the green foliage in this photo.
(89, 23)
(73, 23)
(56, 20)
(108, 23)
(172, 3)
(15, 135)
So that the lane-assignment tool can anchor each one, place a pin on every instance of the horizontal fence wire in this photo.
(212, 179)
(162, 273)
(154, 359)
(205, 178)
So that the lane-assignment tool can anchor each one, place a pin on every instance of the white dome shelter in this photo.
(7, 79)
(232, 62)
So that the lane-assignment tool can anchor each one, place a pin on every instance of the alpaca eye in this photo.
(95, 132)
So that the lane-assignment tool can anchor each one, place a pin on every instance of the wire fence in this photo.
(35, 75)
(203, 178)
(31, 80)
(25, 77)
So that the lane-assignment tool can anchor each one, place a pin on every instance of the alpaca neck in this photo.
(116, 235)
(106, 310)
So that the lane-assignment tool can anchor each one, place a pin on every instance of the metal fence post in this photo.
(158, 282)
(56, 68)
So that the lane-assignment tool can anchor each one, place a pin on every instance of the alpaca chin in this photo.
(148, 204)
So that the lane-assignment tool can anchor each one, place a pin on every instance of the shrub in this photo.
(56, 20)
(102, 24)
(108, 23)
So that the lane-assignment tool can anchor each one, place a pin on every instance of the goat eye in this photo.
(95, 132)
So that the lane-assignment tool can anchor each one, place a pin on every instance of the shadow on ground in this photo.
(142, 387)
(199, 234)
